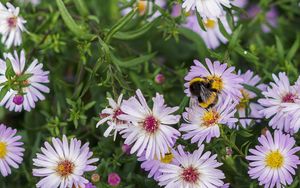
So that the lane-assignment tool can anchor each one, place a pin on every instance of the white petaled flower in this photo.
(150, 130)
(111, 116)
(63, 164)
(211, 9)
(274, 160)
(193, 170)
(245, 102)
(212, 37)
(11, 25)
(27, 83)
(203, 124)
(279, 97)
(11, 151)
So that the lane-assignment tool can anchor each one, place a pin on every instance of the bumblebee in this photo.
(205, 91)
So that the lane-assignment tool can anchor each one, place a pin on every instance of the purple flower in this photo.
(126, 149)
(28, 82)
(90, 185)
(224, 80)
(212, 37)
(63, 164)
(245, 102)
(150, 129)
(114, 179)
(192, 170)
(11, 152)
(203, 124)
(274, 161)
(279, 97)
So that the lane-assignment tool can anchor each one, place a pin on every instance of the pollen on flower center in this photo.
(274, 159)
(245, 100)
(210, 118)
(117, 113)
(217, 83)
(289, 98)
(150, 124)
(12, 21)
(3, 150)
(210, 24)
(168, 158)
(142, 6)
(190, 175)
(65, 168)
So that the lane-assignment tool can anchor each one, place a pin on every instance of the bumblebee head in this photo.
(216, 83)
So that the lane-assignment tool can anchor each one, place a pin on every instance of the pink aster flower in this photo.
(28, 82)
(225, 81)
(212, 37)
(114, 179)
(245, 102)
(278, 96)
(274, 161)
(203, 124)
(111, 116)
(11, 152)
(150, 129)
(193, 170)
(11, 25)
(63, 164)
(153, 165)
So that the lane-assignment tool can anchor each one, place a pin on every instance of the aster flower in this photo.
(278, 96)
(11, 152)
(245, 102)
(153, 166)
(224, 80)
(203, 124)
(26, 84)
(193, 170)
(207, 9)
(212, 37)
(111, 116)
(150, 129)
(11, 25)
(274, 161)
(63, 164)
(145, 6)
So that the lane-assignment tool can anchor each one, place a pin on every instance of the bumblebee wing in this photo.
(204, 94)
(194, 102)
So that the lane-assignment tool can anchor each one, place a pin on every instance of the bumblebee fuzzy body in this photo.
(202, 89)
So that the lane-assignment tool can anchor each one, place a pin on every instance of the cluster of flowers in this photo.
(210, 12)
(150, 135)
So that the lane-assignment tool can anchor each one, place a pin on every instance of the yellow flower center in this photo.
(142, 7)
(274, 159)
(217, 82)
(210, 118)
(168, 158)
(3, 150)
(65, 168)
(245, 100)
(210, 24)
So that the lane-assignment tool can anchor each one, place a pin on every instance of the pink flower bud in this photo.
(160, 79)
(113, 179)
(18, 99)
(126, 149)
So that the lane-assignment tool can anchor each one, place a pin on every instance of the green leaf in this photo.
(119, 25)
(129, 35)
(223, 30)
(253, 89)
(24, 77)
(280, 49)
(248, 55)
(89, 105)
(70, 23)
(293, 49)
(196, 39)
(3, 92)
(200, 21)
(132, 62)
(9, 70)
(80, 5)
(235, 37)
